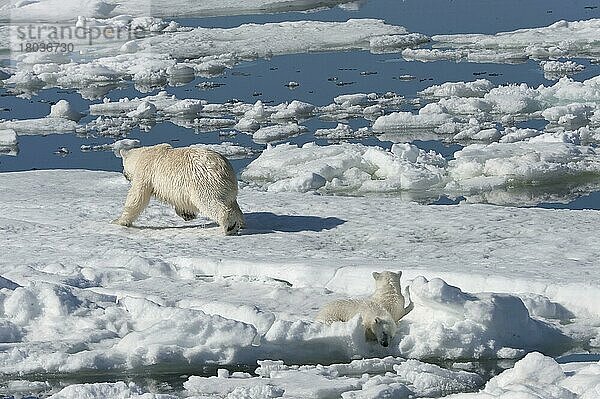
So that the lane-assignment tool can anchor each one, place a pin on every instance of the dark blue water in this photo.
(318, 75)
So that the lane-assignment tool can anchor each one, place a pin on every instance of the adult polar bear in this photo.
(193, 180)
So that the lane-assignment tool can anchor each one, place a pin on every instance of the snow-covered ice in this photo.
(545, 159)
(116, 147)
(57, 11)
(99, 296)
(60, 120)
(345, 168)
(566, 39)
(155, 60)
(277, 132)
(554, 70)
(8, 140)
(229, 149)
(162, 102)
(104, 305)
(253, 40)
(343, 132)
(408, 377)
(539, 376)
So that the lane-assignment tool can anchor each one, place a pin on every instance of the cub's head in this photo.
(384, 330)
(386, 280)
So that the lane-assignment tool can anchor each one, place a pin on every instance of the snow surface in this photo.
(78, 293)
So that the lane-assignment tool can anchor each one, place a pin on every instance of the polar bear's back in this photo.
(183, 172)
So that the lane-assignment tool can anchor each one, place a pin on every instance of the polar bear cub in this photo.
(193, 180)
(388, 293)
(378, 322)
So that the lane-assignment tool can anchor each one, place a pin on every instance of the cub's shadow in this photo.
(267, 222)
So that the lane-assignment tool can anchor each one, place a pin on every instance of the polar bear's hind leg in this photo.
(185, 214)
(231, 218)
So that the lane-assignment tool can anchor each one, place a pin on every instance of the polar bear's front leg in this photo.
(137, 199)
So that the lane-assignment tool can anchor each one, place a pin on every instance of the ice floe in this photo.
(539, 376)
(115, 309)
(58, 121)
(478, 111)
(544, 159)
(116, 147)
(153, 60)
(253, 40)
(345, 168)
(277, 132)
(8, 142)
(353, 380)
(229, 149)
(58, 11)
(164, 103)
(536, 162)
(554, 70)
(343, 132)
(567, 39)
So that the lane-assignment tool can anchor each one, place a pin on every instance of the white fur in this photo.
(378, 322)
(388, 293)
(193, 180)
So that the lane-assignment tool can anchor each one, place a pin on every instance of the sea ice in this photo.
(343, 132)
(58, 121)
(164, 103)
(64, 109)
(357, 379)
(153, 61)
(8, 140)
(277, 132)
(116, 147)
(115, 309)
(428, 117)
(345, 168)
(541, 160)
(554, 70)
(61, 11)
(566, 39)
(229, 150)
(539, 376)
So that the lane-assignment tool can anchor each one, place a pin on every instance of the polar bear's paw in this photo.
(232, 229)
(121, 222)
(186, 215)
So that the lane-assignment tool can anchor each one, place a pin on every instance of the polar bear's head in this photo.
(387, 281)
(384, 330)
(130, 159)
